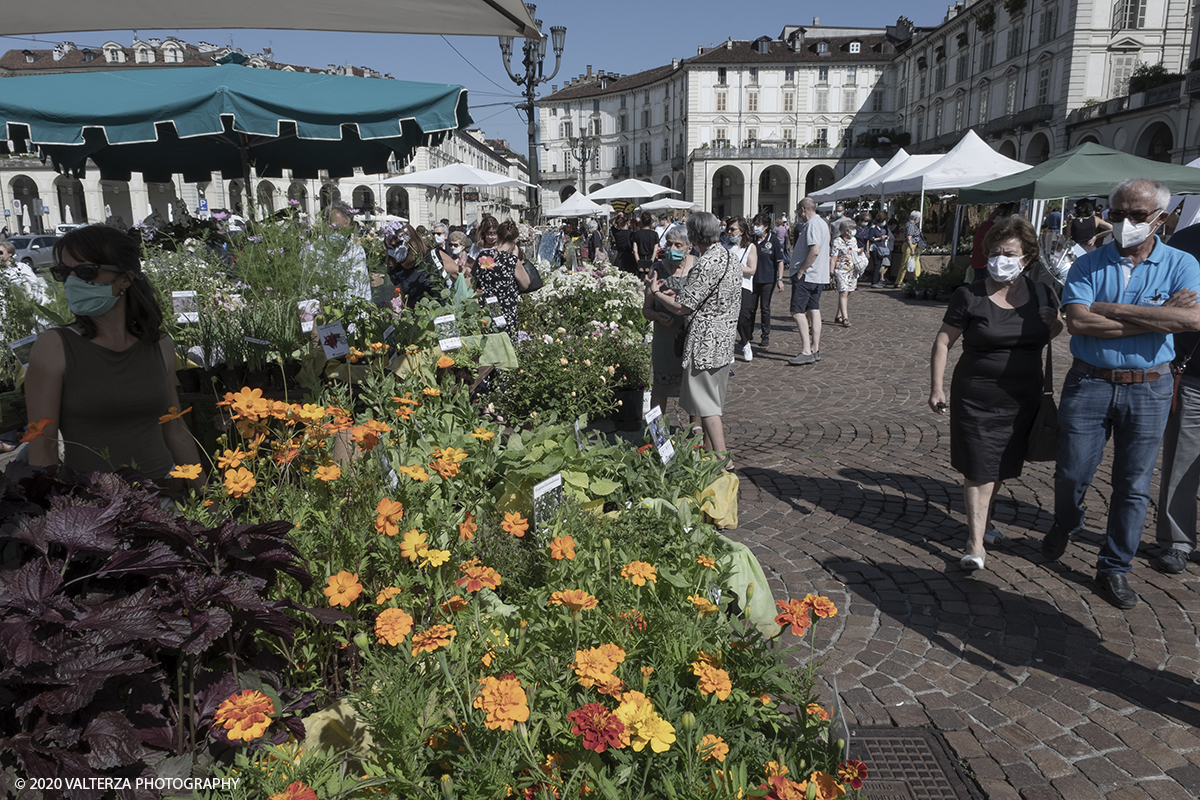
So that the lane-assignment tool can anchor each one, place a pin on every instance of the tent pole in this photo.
(958, 215)
(247, 189)
(922, 204)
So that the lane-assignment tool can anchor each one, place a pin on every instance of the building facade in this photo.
(44, 199)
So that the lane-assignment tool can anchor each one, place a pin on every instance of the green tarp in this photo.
(1089, 170)
(200, 120)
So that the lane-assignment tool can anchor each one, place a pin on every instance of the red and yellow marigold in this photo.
(245, 715)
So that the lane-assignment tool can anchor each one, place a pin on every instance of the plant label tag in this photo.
(260, 342)
(389, 336)
(333, 340)
(658, 435)
(185, 307)
(308, 310)
(21, 348)
(496, 313)
(447, 332)
(547, 497)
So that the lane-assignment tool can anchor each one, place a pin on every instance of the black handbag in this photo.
(535, 278)
(1043, 438)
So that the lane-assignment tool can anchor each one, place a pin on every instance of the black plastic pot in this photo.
(628, 415)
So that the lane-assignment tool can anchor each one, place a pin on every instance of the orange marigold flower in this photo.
(414, 545)
(343, 588)
(853, 772)
(795, 613)
(454, 454)
(711, 747)
(503, 702)
(467, 528)
(634, 619)
(387, 594)
(330, 472)
(432, 557)
(574, 599)
(354, 355)
(596, 665)
(245, 715)
(232, 459)
(189, 472)
(378, 347)
(515, 524)
(431, 392)
(295, 791)
(599, 728)
(814, 710)
(827, 786)
(239, 482)
(454, 605)
(703, 605)
(444, 362)
(765, 699)
(823, 607)
(707, 562)
(432, 639)
(406, 400)
(483, 434)
(35, 429)
(388, 515)
(639, 572)
(173, 413)
(562, 547)
(416, 472)
(476, 577)
(775, 768)
(392, 625)
(712, 680)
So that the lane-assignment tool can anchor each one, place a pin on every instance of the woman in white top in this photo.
(743, 249)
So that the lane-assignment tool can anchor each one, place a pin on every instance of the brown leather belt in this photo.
(1123, 376)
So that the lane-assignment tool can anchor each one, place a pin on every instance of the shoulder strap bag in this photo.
(1043, 438)
(1177, 375)
(681, 334)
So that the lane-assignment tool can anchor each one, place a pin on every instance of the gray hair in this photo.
(677, 234)
(914, 216)
(1156, 189)
(695, 209)
(437, 225)
(841, 225)
(807, 204)
(592, 224)
(703, 229)
(8, 247)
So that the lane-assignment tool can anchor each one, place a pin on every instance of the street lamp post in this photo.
(534, 54)
(584, 148)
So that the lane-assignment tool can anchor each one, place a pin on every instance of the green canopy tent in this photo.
(225, 118)
(1089, 170)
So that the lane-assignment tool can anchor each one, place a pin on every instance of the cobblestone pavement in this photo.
(1042, 688)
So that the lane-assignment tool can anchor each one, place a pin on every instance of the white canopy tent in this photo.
(881, 182)
(971, 162)
(580, 205)
(861, 171)
(1190, 213)
(854, 189)
(453, 17)
(631, 188)
(666, 204)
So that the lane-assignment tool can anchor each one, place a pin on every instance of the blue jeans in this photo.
(1133, 415)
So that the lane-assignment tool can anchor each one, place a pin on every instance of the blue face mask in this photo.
(89, 299)
(676, 256)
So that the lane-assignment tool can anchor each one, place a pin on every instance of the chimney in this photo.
(729, 43)
(589, 70)
(674, 63)
(553, 88)
(600, 73)
(816, 22)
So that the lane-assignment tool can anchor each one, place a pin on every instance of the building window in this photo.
(554, 111)
(939, 78)
(789, 102)
(144, 56)
(645, 153)
(902, 100)
(987, 53)
(721, 74)
(959, 109)
(172, 56)
(645, 118)
(849, 100)
(623, 156)
(596, 106)
(1122, 71)
(752, 134)
(1049, 25)
(789, 135)
(722, 104)
(822, 74)
(918, 134)
(722, 137)
(822, 47)
(877, 101)
(667, 111)
(960, 69)
(789, 74)
(985, 92)
(1016, 38)
(1010, 96)
(623, 121)
(855, 47)
(937, 121)
(1129, 15)
(851, 74)
(823, 137)
(623, 101)
(1043, 95)
(754, 74)
(752, 101)
(646, 99)
(822, 101)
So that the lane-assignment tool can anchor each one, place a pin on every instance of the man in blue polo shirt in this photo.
(1122, 303)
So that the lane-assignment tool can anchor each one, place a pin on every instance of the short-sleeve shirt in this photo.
(1099, 277)
(814, 232)
(770, 253)
(714, 293)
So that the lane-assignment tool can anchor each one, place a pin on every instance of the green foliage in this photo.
(1150, 76)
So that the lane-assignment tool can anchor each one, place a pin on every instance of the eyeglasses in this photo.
(1137, 216)
(85, 272)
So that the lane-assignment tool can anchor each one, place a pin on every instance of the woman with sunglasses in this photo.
(106, 379)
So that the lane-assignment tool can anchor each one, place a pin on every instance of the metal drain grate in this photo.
(906, 763)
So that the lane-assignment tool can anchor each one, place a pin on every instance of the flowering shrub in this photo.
(582, 301)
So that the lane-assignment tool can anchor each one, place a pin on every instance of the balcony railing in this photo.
(1031, 116)
(556, 175)
(1162, 94)
(789, 153)
(1193, 82)
(643, 169)
(620, 172)
(678, 162)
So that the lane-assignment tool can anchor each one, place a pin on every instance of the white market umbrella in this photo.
(579, 205)
(1190, 213)
(666, 204)
(454, 17)
(862, 170)
(459, 176)
(632, 188)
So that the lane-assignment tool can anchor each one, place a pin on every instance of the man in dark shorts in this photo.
(810, 274)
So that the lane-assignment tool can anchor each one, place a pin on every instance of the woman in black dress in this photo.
(1083, 226)
(1004, 320)
(645, 245)
(499, 273)
(622, 244)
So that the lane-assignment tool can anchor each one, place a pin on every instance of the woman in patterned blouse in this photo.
(711, 299)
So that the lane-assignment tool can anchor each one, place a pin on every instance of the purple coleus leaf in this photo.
(112, 741)
(207, 627)
(18, 644)
(32, 584)
(83, 528)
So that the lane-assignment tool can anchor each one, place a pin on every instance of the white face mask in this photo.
(455, 250)
(1004, 268)
(758, 230)
(1130, 234)
(439, 237)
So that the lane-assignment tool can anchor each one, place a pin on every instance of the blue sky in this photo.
(597, 34)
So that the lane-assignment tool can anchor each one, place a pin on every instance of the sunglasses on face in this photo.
(85, 272)
(1137, 216)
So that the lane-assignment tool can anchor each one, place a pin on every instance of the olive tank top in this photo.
(111, 403)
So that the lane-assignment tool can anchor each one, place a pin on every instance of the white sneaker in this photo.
(747, 353)
(993, 536)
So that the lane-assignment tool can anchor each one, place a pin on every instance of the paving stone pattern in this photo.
(1041, 688)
